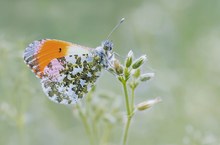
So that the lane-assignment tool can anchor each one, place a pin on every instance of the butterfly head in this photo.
(107, 45)
(105, 53)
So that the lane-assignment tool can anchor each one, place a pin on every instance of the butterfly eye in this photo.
(107, 45)
(110, 48)
(105, 48)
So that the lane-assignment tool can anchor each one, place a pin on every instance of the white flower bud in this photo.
(139, 62)
(147, 104)
(118, 67)
(146, 77)
(129, 58)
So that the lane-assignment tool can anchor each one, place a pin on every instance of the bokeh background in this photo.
(180, 37)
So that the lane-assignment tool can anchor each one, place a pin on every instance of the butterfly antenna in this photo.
(121, 21)
(118, 55)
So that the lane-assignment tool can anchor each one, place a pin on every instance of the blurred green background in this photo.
(180, 37)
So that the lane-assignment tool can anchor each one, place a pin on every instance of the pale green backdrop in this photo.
(180, 37)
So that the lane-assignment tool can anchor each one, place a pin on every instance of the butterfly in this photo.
(67, 71)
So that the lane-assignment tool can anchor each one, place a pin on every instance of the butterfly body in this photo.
(67, 71)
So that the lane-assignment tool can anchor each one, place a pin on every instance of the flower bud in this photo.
(118, 67)
(146, 77)
(128, 61)
(111, 70)
(133, 84)
(148, 104)
(119, 70)
(136, 73)
(139, 62)
(120, 78)
(126, 73)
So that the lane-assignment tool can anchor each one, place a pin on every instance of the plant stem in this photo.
(129, 116)
(85, 123)
(106, 134)
(132, 99)
(127, 125)
(126, 97)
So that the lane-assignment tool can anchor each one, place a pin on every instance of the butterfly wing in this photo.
(39, 53)
(67, 71)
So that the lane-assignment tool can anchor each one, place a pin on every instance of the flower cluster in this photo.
(130, 73)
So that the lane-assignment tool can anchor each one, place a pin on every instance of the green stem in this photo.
(106, 134)
(129, 116)
(85, 123)
(93, 123)
(126, 97)
(132, 99)
(127, 125)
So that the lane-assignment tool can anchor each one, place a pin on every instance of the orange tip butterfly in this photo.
(68, 71)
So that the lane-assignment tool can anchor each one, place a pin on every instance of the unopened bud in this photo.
(139, 62)
(112, 70)
(128, 61)
(133, 84)
(120, 78)
(126, 73)
(146, 77)
(119, 70)
(136, 73)
(118, 67)
(148, 104)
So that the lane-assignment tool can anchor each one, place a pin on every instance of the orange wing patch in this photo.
(49, 50)
(39, 53)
